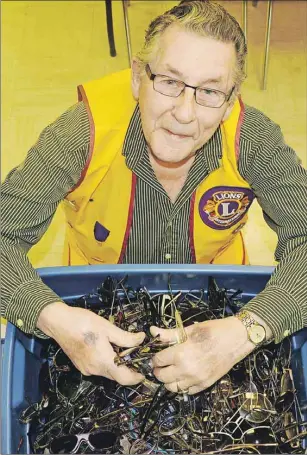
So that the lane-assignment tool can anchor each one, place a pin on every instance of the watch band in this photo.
(246, 318)
(249, 323)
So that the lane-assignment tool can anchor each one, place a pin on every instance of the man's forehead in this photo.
(187, 55)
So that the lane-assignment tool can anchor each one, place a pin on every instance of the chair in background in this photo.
(267, 36)
(110, 29)
(267, 43)
(244, 24)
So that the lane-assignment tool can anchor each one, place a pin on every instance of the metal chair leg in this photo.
(127, 29)
(267, 44)
(110, 27)
(244, 22)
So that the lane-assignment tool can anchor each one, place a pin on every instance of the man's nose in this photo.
(185, 105)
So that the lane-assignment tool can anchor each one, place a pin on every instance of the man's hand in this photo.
(86, 338)
(211, 350)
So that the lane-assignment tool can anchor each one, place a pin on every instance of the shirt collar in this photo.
(135, 145)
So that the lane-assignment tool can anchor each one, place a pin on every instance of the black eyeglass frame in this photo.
(152, 77)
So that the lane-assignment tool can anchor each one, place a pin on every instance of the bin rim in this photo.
(158, 268)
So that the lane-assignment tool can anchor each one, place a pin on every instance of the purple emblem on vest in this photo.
(224, 206)
(100, 232)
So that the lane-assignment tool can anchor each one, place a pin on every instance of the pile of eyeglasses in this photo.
(253, 409)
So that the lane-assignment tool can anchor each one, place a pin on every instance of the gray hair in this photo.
(205, 18)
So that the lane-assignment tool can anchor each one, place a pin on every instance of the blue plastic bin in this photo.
(21, 359)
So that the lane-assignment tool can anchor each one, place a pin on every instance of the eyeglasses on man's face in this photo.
(204, 96)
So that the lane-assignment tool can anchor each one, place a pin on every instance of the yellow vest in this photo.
(99, 209)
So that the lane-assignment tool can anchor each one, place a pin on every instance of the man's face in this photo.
(175, 128)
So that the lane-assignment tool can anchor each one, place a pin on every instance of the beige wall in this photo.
(49, 47)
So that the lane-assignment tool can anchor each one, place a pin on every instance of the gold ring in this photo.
(180, 390)
(185, 391)
(181, 337)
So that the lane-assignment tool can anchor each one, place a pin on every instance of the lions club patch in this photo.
(223, 206)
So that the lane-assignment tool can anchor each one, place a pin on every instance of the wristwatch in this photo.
(255, 332)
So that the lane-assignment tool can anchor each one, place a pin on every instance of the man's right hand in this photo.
(86, 338)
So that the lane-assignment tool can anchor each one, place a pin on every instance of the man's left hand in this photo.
(212, 348)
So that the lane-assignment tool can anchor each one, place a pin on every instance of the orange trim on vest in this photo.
(82, 97)
(244, 250)
(240, 121)
(191, 227)
(223, 247)
(129, 221)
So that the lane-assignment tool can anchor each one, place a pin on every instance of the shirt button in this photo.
(168, 256)
(286, 333)
(19, 322)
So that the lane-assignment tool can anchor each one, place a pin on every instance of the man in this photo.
(166, 175)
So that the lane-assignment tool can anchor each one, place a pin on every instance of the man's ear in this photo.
(136, 78)
(231, 102)
(229, 109)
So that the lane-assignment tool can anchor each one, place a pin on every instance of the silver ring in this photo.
(183, 391)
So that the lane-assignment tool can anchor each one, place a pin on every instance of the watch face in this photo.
(256, 334)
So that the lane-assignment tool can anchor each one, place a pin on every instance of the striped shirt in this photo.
(33, 190)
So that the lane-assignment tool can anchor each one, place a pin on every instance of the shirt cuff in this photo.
(279, 311)
(27, 302)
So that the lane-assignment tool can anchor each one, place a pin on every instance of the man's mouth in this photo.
(177, 135)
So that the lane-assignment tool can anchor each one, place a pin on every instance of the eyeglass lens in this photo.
(70, 443)
(204, 96)
(64, 444)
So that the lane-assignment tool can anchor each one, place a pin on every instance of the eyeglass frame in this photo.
(152, 77)
(83, 437)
